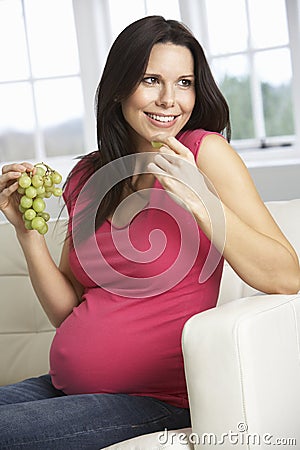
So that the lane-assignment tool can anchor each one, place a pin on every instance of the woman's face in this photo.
(164, 100)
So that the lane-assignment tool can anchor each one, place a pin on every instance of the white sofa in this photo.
(242, 358)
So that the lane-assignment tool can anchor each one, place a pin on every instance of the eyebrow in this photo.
(159, 75)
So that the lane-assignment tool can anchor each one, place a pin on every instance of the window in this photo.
(47, 102)
(123, 13)
(41, 104)
(247, 44)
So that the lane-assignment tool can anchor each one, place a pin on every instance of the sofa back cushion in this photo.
(287, 216)
(25, 331)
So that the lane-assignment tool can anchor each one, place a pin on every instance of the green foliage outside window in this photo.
(277, 106)
(278, 109)
(237, 93)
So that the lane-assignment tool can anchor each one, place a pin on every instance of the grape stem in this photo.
(45, 166)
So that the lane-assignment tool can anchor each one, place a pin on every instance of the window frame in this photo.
(94, 38)
(194, 15)
(40, 152)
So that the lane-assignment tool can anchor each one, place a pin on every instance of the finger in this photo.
(29, 167)
(166, 150)
(181, 162)
(166, 179)
(163, 162)
(173, 144)
(7, 192)
(8, 177)
(155, 169)
(16, 167)
(170, 155)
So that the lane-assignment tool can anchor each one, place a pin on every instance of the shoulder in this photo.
(215, 154)
(226, 171)
(193, 139)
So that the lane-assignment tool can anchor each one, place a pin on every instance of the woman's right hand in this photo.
(9, 197)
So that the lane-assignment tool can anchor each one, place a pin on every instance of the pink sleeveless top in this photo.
(141, 284)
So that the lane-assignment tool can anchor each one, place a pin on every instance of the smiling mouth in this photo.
(158, 118)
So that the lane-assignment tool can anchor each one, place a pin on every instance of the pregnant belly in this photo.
(115, 346)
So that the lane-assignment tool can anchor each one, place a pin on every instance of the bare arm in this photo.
(255, 246)
(52, 285)
(56, 288)
(252, 243)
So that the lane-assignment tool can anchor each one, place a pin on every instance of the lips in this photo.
(161, 118)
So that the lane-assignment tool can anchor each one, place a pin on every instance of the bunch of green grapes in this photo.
(34, 187)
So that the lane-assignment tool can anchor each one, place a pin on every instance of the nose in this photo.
(166, 96)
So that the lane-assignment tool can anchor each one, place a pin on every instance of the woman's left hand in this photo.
(175, 168)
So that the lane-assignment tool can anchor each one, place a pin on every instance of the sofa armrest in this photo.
(242, 365)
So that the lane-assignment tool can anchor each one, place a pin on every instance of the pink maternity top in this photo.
(141, 284)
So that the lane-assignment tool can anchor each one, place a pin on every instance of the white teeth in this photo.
(161, 118)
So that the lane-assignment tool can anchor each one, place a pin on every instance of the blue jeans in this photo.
(34, 415)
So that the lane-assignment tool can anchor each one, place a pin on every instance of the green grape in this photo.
(56, 177)
(37, 223)
(45, 216)
(21, 209)
(26, 202)
(57, 192)
(48, 181)
(27, 224)
(156, 144)
(21, 190)
(38, 205)
(40, 171)
(40, 190)
(30, 192)
(24, 180)
(37, 181)
(29, 214)
(33, 188)
(44, 229)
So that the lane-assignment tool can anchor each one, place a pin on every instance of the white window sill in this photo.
(270, 157)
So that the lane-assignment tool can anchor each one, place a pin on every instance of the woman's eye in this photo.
(185, 83)
(150, 80)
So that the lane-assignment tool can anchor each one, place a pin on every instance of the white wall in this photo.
(275, 171)
(277, 182)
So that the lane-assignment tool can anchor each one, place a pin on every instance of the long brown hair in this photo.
(124, 69)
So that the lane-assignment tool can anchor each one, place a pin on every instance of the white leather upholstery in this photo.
(243, 367)
(242, 358)
(25, 331)
(165, 440)
(287, 215)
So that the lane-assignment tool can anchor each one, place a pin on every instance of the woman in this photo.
(137, 261)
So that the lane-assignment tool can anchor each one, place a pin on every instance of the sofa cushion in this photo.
(163, 440)
(287, 215)
(25, 331)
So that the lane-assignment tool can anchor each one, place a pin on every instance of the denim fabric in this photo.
(34, 415)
